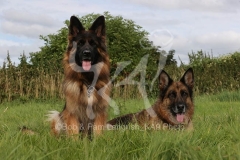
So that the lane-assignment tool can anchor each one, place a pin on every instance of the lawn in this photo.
(216, 133)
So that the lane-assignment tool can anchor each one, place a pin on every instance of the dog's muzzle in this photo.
(86, 55)
(179, 110)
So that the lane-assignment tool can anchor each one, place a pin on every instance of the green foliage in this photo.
(25, 81)
(170, 58)
(216, 74)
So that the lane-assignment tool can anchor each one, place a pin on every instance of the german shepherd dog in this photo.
(87, 81)
(173, 109)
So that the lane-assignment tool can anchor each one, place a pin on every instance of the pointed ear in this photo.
(164, 80)
(75, 26)
(188, 78)
(98, 26)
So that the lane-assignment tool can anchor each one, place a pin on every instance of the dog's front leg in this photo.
(99, 123)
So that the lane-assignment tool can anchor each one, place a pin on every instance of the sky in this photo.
(212, 26)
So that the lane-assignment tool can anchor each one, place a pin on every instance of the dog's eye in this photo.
(91, 42)
(184, 94)
(172, 95)
(81, 42)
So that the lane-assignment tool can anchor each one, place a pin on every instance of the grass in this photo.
(215, 136)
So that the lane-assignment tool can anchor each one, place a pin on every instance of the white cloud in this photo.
(1, 62)
(60, 9)
(221, 43)
(200, 5)
(28, 24)
(27, 17)
(227, 37)
(8, 43)
(31, 31)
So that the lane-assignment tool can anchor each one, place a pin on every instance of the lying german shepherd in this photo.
(87, 81)
(173, 110)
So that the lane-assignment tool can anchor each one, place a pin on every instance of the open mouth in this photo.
(180, 117)
(87, 64)
(179, 112)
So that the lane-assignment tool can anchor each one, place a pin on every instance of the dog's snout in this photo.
(86, 53)
(181, 107)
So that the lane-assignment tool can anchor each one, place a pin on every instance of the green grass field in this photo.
(216, 134)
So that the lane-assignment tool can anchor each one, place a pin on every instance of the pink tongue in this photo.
(180, 117)
(86, 65)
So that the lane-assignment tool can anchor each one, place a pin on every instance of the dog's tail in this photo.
(122, 120)
(55, 120)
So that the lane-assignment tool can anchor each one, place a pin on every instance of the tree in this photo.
(170, 60)
(23, 61)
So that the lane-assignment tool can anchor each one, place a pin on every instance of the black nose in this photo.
(86, 53)
(181, 108)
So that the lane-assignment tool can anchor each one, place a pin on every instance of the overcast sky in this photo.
(186, 25)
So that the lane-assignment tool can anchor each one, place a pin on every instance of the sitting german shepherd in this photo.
(173, 110)
(87, 81)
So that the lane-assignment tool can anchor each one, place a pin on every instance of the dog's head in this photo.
(176, 97)
(89, 42)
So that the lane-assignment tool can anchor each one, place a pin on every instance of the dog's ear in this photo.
(188, 78)
(98, 26)
(75, 26)
(164, 80)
